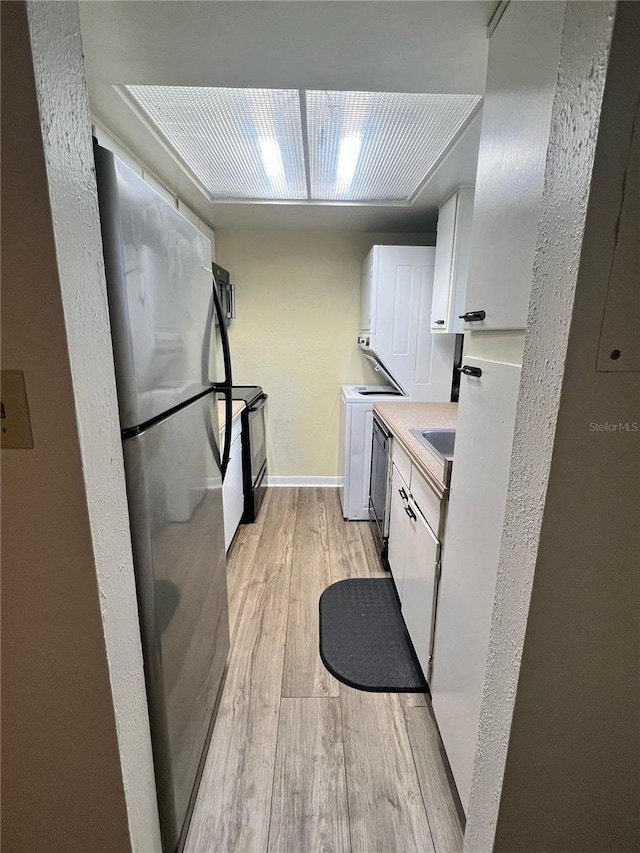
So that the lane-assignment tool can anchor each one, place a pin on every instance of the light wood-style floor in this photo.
(299, 763)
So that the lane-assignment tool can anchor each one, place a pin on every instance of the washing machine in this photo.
(356, 429)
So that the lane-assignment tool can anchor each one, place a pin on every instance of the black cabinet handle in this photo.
(410, 513)
(471, 371)
(473, 316)
(402, 494)
(438, 322)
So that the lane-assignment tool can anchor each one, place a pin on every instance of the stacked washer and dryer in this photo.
(396, 338)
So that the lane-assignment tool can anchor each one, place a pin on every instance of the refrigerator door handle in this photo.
(226, 450)
(228, 382)
(226, 351)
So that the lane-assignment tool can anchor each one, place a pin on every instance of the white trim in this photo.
(56, 47)
(304, 482)
(501, 8)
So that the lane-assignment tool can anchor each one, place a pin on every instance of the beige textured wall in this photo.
(298, 317)
(62, 783)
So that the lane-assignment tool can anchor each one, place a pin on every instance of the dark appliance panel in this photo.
(254, 448)
(379, 489)
(226, 294)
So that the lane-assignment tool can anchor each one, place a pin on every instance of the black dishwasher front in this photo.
(379, 488)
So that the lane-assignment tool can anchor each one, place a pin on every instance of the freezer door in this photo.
(159, 285)
(174, 490)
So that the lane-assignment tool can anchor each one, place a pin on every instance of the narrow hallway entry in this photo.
(299, 762)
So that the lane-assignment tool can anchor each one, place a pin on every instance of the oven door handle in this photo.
(258, 403)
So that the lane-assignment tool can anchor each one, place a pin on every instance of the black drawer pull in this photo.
(410, 513)
(402, 494)
(438, 322)
(471, 371)
(473, 316)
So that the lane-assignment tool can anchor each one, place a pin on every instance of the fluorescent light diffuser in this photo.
(248, 144)
(239, 143)
(379, 146)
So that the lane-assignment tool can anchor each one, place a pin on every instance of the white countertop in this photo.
(402, 416)
(236, 408)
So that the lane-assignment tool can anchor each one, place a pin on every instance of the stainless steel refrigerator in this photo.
(161, 302)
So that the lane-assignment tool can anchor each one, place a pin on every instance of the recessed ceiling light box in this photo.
(314, 146)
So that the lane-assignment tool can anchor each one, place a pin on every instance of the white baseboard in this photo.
(304, 482)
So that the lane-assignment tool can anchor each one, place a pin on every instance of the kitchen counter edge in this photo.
(401, 417)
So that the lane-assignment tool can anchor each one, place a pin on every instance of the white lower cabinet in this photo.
(414, 557)
(419, 585)
(397, 528)
(473, 532)
(232, 492)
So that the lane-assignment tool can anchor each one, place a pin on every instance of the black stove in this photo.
(254, 447)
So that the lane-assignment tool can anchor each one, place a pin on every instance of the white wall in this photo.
(77, 766)
(558, 750)
(298, 318)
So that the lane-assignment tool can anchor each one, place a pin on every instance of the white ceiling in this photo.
(431, 46)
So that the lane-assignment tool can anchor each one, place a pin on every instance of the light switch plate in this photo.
(14, 412)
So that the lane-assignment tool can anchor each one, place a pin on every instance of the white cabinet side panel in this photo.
(434, 376)
(443, 269)
(342, 450)
(473, 532)
(366, 295)
(365, 480)
(232, 493)
(357, 456)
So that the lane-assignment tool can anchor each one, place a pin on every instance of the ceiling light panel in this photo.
(239, 143)
(379, 146)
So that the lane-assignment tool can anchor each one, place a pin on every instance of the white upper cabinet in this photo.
(516, 119)
(452, 262)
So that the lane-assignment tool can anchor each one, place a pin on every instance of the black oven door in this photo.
(257, 437)
(254, 456)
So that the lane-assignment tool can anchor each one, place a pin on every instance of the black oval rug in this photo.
(363, 639)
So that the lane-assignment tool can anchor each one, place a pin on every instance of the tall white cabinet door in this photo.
(404, 294)
(398, 529)
(523, 61)
(397, 292)
(473, 532)
(419, 584)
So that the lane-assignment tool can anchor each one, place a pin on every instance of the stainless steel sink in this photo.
(440, 442)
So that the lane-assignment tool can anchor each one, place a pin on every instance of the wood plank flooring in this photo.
(299, 763)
